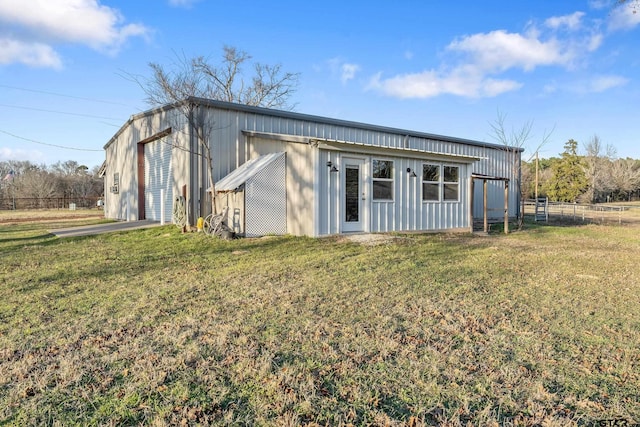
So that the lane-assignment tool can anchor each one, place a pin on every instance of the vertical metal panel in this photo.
(157, 177)
(227, 143)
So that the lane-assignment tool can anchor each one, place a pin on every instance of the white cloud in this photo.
(599, 4)
(550, 88)
(499, 50)
(476, 65)
(624, 17)
(461, 82)
(87, 22)
(483, 57)
(348, 72)
(572, 22)
(603, 83)
(344, 70)
(7, 153)
(594, 41)
(183, 3)
(32, 54)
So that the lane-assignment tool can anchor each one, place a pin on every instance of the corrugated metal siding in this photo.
(407, 212)
(122, 205)
(230, 150)
(232, 122)
(157, 177)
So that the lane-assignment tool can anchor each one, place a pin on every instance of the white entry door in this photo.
(353, 195)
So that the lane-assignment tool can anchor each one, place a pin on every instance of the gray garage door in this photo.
(157, 177)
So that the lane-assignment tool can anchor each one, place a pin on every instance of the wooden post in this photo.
(471, 203)
(536, 191)
(506, 207)
(484, 205)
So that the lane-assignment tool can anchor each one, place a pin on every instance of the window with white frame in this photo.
(431, 182)
(440, 182)
(115, 188)
(382, 179)
(451, 183)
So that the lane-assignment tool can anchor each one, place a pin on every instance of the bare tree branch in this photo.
(198, 77)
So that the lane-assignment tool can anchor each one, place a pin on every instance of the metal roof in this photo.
(317, 119)
(245, 172)
(346, 123)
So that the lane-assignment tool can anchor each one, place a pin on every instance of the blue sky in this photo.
(441, 67)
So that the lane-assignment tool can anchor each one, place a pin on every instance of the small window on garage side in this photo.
(115, 188)
(382, 179)
(451, 183)
(431, 183)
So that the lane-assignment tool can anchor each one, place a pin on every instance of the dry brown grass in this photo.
(154, 327)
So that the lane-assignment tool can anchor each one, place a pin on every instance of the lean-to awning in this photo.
(245, 172)
(361, 148)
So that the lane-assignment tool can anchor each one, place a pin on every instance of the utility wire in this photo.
(44, 143)
(65, 96)
(58, 112)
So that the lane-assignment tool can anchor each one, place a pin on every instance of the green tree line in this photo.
(596, 175)
(28, 185)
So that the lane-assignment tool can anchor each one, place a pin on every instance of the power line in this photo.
(65, 96)
(44, 143)
(58, 112)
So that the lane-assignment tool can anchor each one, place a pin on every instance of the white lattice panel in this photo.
(266, 200)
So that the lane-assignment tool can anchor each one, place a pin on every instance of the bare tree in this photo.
(625, 176)
(186, 79)
(515, 142)
(39, 185)
(634, 5)
(597, 159)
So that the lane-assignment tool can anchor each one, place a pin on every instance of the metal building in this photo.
(339, 176)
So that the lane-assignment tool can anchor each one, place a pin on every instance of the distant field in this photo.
(49, 215)
(155, 327)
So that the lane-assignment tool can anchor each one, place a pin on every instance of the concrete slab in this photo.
(90, 230)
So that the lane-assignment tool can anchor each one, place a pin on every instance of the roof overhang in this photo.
(278, 136)
(488, 177)
(360, 148)
(103, 169)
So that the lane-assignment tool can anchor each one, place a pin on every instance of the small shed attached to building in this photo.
(254, 196)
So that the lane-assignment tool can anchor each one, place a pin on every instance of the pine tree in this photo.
(569, 180)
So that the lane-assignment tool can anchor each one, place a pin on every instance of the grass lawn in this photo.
(155, 327)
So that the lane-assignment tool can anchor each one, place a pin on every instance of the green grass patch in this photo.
(155, 327)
